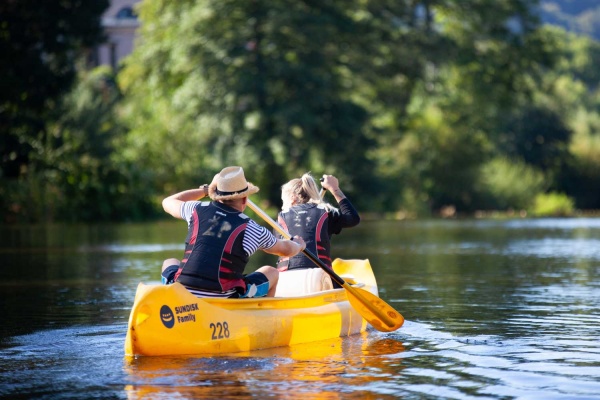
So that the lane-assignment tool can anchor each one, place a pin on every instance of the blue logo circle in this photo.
(167, 317)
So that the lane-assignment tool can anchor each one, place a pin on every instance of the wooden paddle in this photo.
(377, 312)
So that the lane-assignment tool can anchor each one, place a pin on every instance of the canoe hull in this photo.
(168, 320)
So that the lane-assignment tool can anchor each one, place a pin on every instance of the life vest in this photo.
(309, 221)
(214, 256)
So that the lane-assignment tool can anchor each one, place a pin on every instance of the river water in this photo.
(494, 309)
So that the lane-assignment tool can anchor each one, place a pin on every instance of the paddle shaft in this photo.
(323, 190)
(355, 292)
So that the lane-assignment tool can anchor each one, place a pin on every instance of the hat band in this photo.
(230, 193)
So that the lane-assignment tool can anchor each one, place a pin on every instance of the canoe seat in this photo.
(302, 281)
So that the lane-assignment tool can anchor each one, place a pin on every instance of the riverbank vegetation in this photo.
(420, 109)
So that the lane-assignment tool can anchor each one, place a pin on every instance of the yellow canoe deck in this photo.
(168, 320)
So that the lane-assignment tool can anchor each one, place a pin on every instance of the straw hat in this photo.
(231, 184)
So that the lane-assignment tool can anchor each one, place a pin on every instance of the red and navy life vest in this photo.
(214, 257)
(309, 221)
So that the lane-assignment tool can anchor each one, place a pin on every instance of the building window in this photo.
(126, 13)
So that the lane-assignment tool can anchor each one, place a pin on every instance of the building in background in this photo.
(120, 24)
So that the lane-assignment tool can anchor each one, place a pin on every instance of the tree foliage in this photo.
(280, 88)
(283, 88)
(84, 173)
(40, 43)
(78, 174)
(415, 106)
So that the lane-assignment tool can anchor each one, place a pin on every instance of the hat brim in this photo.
(212, 192)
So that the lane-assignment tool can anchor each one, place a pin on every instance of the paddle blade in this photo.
(377, 312)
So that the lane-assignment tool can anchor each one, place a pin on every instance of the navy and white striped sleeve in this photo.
(257, 237)
(187, 210)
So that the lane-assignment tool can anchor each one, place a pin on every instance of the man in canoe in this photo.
(221, 239)
(305, 214)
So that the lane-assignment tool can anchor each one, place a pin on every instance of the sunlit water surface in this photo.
(494, 310)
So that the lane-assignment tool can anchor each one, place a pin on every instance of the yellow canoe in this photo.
(168, 320)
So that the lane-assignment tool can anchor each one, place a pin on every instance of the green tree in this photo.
(572, 92)
(510, 184)
(493, 56)
(84, 174)
(77, 174)
(40, 43)
(261, 84)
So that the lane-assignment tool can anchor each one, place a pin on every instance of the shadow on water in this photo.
(55, 276)
(77, 362)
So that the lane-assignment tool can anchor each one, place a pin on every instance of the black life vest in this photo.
(214, 257)
(309, 221)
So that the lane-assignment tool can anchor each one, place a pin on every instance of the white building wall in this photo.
(120, 30)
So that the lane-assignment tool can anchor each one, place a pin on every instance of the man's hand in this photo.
(298, 240)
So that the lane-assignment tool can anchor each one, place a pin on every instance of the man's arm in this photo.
(172, 204)
(287, 248)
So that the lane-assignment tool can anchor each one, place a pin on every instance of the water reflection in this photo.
(571, 249)
(329, 369)
(522, 367)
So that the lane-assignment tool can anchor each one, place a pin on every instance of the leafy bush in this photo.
(510, 184)
(553, 204)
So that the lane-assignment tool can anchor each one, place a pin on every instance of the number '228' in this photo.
(219, 330)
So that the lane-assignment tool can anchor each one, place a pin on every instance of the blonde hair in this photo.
(301, 191)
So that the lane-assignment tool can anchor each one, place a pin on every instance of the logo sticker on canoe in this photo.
(167, 317)
(187, 308)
